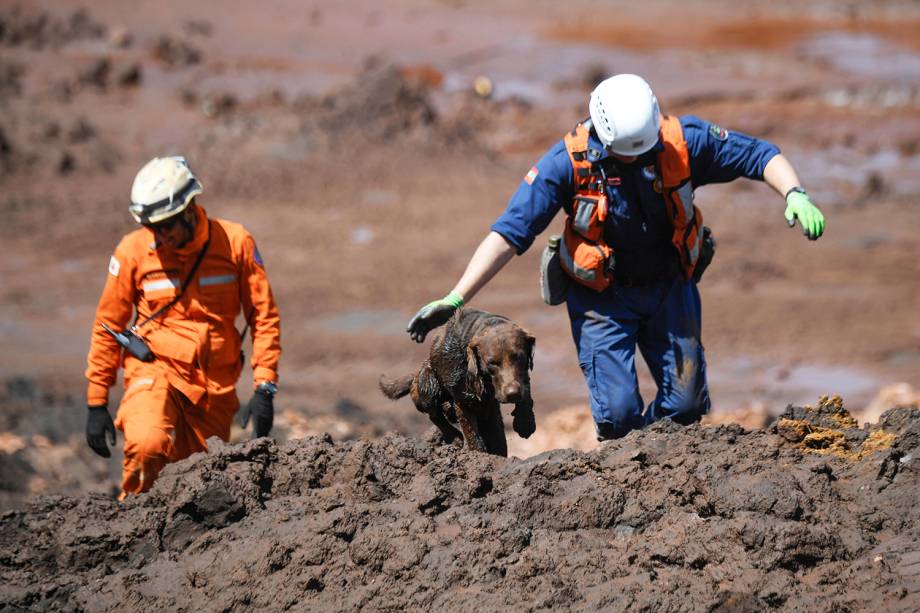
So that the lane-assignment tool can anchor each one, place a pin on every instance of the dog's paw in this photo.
(524, 422)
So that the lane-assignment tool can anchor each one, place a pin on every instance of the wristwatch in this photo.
(267, 387)
(800, 190)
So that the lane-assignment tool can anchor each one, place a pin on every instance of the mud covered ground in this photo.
(810, 514)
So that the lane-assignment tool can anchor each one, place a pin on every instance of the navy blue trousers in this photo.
(663, 321)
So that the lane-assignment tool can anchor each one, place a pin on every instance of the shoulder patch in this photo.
(257, 256)
(114, 267)
(718, 132)
(531, 175)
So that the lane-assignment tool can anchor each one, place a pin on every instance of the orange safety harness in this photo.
(584, 254)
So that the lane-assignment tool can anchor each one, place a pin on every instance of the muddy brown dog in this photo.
(480, 362)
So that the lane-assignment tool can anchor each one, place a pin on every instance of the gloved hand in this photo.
(524, 422)
(262, 409)
(432, 315)
(799, 206)
(99, 424)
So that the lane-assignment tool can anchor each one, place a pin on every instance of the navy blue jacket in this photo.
(637, 226)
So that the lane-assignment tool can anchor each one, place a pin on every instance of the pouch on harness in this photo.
(584, 254)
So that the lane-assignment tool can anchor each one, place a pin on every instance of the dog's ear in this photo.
(473, 374)
(531, 343)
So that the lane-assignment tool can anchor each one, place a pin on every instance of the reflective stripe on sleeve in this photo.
(216, 280)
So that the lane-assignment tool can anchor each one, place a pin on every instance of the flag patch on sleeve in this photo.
(114, 267)
(718, 132)
(531, 175)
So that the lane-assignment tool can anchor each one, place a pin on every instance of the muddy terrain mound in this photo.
(669, 518)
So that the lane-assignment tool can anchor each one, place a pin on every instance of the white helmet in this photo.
(162, 188)
(625, 114)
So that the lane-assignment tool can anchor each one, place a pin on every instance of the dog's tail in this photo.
(396, 388)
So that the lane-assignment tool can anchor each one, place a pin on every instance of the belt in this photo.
(646, 269)
(625, 280)
(640, 282)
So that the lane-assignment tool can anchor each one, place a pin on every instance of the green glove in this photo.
(799, 206)
(432, 315)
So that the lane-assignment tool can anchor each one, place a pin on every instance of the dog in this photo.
(481, 361)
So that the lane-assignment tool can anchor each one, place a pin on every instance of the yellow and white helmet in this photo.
(162, 188)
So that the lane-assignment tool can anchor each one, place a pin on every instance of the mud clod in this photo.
(176, 52)
(36, 29)
(385, 103)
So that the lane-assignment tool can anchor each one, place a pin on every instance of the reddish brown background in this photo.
(347, 139)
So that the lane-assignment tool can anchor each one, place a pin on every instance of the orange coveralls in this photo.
(173, 404)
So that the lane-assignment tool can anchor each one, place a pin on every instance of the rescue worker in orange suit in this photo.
(184, 278)
(634, 245)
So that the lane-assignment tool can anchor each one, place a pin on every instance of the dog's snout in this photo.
(513, 392)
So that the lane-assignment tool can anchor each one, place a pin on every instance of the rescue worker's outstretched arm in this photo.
(489, 258)
(493, 253)
(781, 176)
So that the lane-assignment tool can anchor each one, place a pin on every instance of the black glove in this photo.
(432, 315)
(707, 251)
(99, 424)
(524, 422)
(262, 409)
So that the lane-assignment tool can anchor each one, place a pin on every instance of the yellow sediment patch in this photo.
(793, 430)
(832, 441)
(825, 441)
(834, 402)
(845, 421)
(840, 416)
(877, 441)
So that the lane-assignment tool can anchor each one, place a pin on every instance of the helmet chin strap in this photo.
(188, 221)
(189, 225)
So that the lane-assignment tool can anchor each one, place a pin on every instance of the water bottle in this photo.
(554, 282)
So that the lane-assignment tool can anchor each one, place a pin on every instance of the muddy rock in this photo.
(829, 429)
(175, 51)
(96, 73)
(7, 153)
(36, 29)
(11, 74)
(383, 103)
(669, 518)
(128, 75)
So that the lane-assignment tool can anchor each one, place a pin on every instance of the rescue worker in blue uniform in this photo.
(652, 300)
